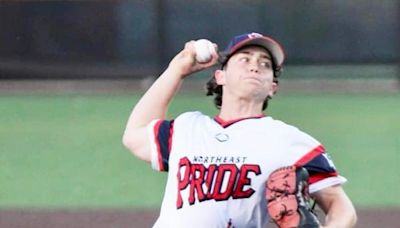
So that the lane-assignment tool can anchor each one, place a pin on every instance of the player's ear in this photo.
(274, 89)
(219, 76)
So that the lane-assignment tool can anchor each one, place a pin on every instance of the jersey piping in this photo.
(226, 124)
(162, 131)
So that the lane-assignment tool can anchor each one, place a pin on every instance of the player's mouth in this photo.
(252, 78)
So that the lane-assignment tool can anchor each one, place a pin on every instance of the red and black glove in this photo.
(288, 199)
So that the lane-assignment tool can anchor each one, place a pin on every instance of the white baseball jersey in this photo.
(217, 170)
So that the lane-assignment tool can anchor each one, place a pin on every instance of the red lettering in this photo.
(182, 183)
(196, 182)
(210, 179)
(221, 175)
(245, 180)
(218, 182)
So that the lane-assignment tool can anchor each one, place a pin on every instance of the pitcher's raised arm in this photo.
(154, 103)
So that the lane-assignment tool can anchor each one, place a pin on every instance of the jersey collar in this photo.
(227, 123)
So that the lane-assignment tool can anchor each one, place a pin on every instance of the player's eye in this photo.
(266, 64)
(244, 59)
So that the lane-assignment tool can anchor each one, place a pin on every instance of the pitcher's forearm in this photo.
(337, 206)
(342, 215)
(154, 103)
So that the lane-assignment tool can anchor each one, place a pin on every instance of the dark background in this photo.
(127, 39)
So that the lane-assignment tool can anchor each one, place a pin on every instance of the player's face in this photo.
(249, 73)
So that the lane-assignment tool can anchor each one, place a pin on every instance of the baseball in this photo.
(204, 50)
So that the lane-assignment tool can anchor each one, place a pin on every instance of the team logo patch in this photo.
(221, 137)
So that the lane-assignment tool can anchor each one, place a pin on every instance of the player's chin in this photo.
(252, 86)
(257, 92)
(256, 86)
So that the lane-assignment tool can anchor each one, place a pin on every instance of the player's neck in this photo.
(240, 109)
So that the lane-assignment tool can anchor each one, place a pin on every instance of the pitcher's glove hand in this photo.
(288, 198)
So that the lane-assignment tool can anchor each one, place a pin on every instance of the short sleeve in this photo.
(316, 160)
(160, 134)
(323, 173)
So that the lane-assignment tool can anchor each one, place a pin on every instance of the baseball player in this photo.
(218, 166)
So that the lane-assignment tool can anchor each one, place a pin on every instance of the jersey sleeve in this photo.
(322, 172)
(316, 160)
(160, 134)
(321, 168)
(166, 135)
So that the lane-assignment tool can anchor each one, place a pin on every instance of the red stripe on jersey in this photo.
(171, 132)
(224, 123)
(156, 131)
(320, 176)
(310, 155)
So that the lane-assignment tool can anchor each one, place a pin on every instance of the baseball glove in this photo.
(288, 198)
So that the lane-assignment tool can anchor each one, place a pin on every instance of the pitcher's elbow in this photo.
(135, 140)
(127, 141)
(354, 218)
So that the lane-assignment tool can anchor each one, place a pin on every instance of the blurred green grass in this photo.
(65, 151)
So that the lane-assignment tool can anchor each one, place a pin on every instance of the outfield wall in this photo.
(131, 39)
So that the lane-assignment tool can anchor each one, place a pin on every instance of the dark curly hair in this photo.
(212, 88)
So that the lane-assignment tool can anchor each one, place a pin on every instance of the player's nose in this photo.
(254, 67)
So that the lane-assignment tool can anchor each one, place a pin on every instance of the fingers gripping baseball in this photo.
(196, 56)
